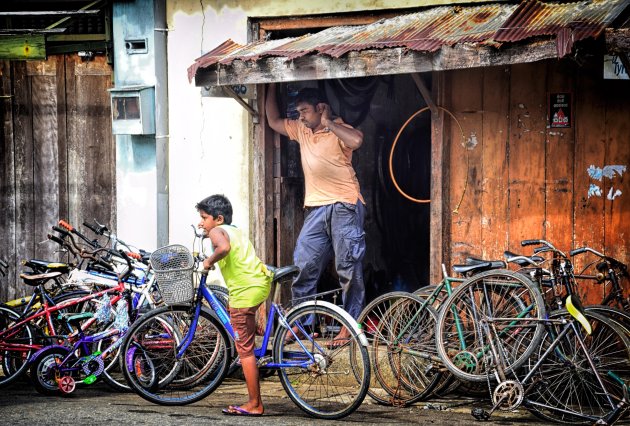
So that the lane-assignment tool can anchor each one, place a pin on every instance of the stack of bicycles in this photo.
(69, 329)
(523, 335)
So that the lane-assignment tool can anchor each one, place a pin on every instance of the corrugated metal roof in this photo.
(430, 29)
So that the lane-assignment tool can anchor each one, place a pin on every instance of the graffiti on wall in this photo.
(608, 172)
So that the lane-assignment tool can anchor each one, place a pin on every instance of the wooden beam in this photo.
(370, 62)
(320, 22)
(618, 40)
(31, 46)
(49, 12)
(426, 94)
(230, 92)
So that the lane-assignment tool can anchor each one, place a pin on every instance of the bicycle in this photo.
(400, 328)
(503, 319)
(180, 353)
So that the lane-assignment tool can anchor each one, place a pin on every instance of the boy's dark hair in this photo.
(216, 205)
(310, 96)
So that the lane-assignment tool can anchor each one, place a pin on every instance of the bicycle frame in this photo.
(46, 312)
(276, 311)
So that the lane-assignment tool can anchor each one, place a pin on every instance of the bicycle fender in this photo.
(45, 348)
(340, 311)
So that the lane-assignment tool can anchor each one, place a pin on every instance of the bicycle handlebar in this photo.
(613, 262)
(76, 232)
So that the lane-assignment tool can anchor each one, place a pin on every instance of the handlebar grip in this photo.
(66, 225)
(530, 242)
(55, 239)
(104, 264)
(62, 231)
(577, 251)
(93, 228)
(539, 249)
(133, 255)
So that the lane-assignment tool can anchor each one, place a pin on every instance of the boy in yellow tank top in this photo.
(248, 282)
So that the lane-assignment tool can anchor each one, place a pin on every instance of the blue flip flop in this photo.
(234, 410)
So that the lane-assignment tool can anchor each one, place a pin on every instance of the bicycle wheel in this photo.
(322, 383)
(45, 372)
(149, 358)
(16, 346)
(566, 388)
(402, 348)
(500, 305)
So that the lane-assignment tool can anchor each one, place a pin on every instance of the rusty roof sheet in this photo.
(428, 30)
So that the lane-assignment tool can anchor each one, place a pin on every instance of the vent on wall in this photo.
(136, 45)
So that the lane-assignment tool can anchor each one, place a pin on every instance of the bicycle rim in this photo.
(467, 322)
(328, 386)
(566, 389)
(14, 361)
(149, 356)
(402, 348)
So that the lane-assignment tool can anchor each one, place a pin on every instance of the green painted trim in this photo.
(27, 46)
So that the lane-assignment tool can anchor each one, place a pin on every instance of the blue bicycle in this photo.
(180, 353)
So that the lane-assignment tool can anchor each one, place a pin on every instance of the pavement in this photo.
(96, 404)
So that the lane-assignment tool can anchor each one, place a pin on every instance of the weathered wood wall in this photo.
(57, 155)
(527, 180)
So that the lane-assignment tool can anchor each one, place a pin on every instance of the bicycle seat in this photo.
(494, 264)
(37, 279)
(465, 269)
(509, 256)
(38, 265)
(282, 271)
(75, 319)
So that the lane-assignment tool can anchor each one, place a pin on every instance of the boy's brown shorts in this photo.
(244, 324)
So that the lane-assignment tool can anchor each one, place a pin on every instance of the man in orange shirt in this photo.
(335, 209)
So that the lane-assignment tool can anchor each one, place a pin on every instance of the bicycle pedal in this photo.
(480, 414)
(263, 361)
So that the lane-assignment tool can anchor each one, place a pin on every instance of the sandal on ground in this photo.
(234, 410)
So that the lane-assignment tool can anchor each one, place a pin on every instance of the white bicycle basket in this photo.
(173, 266)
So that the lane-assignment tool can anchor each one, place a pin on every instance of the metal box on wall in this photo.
(133, 110)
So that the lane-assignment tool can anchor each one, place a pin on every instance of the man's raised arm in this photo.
(271, 110)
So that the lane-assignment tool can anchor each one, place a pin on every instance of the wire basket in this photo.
(173, 266)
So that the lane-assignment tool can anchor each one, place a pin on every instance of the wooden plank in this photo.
(8, 284)
(22, 47)
(62, 138)
(466, 163)
(526, 167)
(45, 160)
(91, 155)
(617, 192)
(439, 239)
(560, 147)
(370, 62)
(262, 197)
(590, 150)
(23, 157)
(495, 131)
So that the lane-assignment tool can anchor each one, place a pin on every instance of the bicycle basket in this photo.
(173, 266)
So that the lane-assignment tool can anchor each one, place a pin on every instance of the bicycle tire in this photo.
(155, 336)
(43, 372)
(400, 375)
(14, 362)
(329, 388)
(567, 389)
(460, 340)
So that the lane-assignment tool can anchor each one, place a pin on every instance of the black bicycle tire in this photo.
(152, 394)
(364, 381)
(36, 369)
(533, 408)
(9, 376)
